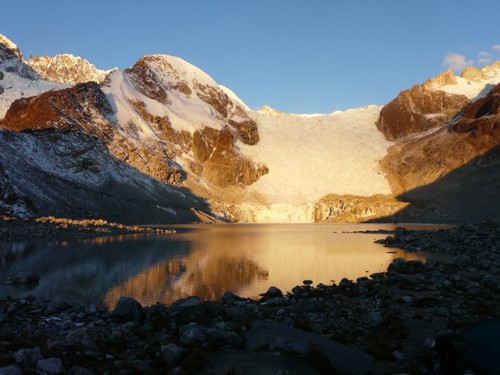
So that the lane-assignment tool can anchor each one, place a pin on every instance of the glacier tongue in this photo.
(311, 156)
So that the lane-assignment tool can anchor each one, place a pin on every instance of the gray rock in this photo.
(227, 337)
(230, 296)
(187, 310)
(50, 366)
(308, 305)
(28, 357)
(55, 307)
(82, 338)
(10, 370)
(193, 335)
(172, 354)
(214, 308)
(275, 336)
(399, 233)
(77, 370)
(23, 277)
(128, 309)
(272, 292)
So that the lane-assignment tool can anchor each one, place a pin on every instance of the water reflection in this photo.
(200, 260)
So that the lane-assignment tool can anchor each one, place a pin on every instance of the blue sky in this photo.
(313, 56)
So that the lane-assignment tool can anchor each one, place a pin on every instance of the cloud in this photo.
(484, 58)
(456, 62)
(496, 47)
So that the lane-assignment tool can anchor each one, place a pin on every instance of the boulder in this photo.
(128, 309)
(187, 310)
(272, 292)
(264, 335)
(10, 370)
(192, 335)
(50, 366)
(172, 354)
(23, 277)
(28, 357)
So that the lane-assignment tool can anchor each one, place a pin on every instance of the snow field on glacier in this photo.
(312, 156)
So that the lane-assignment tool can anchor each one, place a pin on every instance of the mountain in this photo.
(450, 173)
(161, 141)
(66, 68)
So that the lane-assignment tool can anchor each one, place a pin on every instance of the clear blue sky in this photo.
(307, 56)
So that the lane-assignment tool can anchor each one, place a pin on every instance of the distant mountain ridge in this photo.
(163, 142)
(66, 68)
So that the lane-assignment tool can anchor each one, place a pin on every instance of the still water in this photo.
(201, 260)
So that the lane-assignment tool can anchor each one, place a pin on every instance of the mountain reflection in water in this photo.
(201, 260)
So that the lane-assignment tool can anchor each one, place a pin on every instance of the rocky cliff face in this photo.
(436, 101)
(481, 119)
(452, 173)
(420, 108)
(66, 68)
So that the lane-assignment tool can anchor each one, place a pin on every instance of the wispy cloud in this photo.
(496, 47)
(484, 58)
(456, 62)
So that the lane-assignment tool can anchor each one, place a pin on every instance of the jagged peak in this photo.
(67, 68)
(270, 111)
(11, 46)
(443, 79)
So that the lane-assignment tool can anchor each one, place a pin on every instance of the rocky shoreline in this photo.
(374, 324)
(15, 229)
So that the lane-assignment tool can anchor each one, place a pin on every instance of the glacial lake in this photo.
(201, 260)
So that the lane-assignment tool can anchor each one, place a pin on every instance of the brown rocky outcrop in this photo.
(354, 209)
(66, 68)
(220, 163)
(85, 108)
(66, 109)
(418, 109)
(145, 81)
(482, 117)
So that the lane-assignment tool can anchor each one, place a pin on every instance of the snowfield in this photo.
(311, 156)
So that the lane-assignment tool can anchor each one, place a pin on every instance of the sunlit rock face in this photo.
(66, 68)
(436, 101)
(353, 209)
(418, 109)
(78, 107)
(481, 119)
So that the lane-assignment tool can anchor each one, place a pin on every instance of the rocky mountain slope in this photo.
(450, 173)
(162, 141)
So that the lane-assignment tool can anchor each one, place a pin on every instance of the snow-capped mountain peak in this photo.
(472, 82)
(11, 46)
